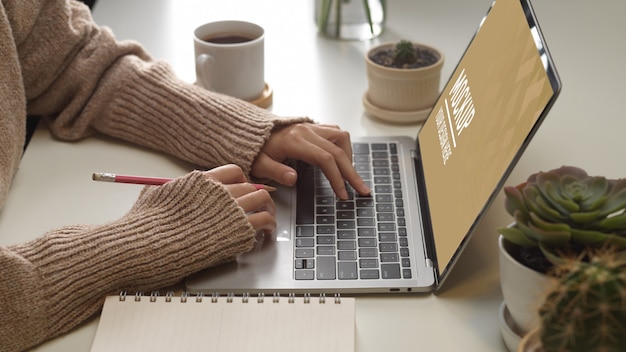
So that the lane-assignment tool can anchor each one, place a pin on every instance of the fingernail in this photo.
(289, 178)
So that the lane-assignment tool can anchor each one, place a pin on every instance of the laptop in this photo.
(429, 193)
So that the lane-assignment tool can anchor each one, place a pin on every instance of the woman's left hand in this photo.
(325, 146)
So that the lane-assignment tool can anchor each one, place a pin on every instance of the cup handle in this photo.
(204, 63)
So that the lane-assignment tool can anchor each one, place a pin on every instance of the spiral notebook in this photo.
(226, 323)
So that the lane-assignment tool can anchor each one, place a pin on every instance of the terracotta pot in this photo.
(402, 95)
(523, 288)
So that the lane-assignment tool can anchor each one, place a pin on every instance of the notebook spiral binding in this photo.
(230, 297)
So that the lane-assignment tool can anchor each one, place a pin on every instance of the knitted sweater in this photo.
(55, 62)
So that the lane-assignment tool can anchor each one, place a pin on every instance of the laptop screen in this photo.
(485, 116)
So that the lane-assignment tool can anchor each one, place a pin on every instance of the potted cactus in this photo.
(586, 310)
(403, 81)
(559, 212)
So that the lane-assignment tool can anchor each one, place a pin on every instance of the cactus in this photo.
(404, 53)
(586, 310)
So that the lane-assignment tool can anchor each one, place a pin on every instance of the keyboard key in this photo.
(368, 252)
(382, 180)
(365, 212)
(406, 273)
(361, 159)
(390, 271)
(304, 253)
(385, 217)
(365, 222)
(305, 274)
(305, 242)
(367, 242)
(325, 250)
(368, 263)
(364, 202)
(406, 262)
(346, 245)
(345, 224)
(326, 268)
(305, 231)
(389, 257)
(387, 237)
(325, 210)
(305, 263)
(346, 234)
(360, 148)
(388, 247)
(325, 229)
(345, 214)
(346, 255)
(378, 146)
(325, 239)
(369, 274)
(380, 155)
(325, 219)
(366, 232)
(347, 271)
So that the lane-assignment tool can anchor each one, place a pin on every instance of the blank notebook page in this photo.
(158, 323)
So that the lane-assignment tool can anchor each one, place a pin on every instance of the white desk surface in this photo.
(325, 79)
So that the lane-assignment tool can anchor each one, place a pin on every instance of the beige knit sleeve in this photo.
(50, 285)
(85, 81)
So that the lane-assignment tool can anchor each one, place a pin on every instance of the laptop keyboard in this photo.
(358, 238)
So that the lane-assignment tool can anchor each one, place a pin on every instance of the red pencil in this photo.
(147, 180)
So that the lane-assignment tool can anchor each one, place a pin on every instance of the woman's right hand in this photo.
(257, 204)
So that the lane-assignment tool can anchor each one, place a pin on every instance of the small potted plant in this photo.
(559, 212)
(403, 81)
(586, 310)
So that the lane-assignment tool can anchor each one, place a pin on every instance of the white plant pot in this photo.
(523, 288)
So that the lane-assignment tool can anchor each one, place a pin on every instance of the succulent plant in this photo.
(404, 53)
(586, 310)
(565, 209)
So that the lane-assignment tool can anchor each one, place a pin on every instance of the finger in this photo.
(332, 160)
(239, 189)
(262, 221)
(227, 174)
(341, 139)
(258, 201)
(266, 167)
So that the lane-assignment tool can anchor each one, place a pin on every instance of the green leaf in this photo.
(585, 218)
(551, 238)
(615, 202)
(598, 188)
(516, 236)
(613, 222)
(514, 200)
(549, 253)
(588, 237)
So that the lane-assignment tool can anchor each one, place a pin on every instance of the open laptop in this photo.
(428, 194)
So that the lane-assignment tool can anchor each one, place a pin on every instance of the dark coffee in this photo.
(227, 39)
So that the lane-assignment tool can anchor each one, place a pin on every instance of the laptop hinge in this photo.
(429, 263)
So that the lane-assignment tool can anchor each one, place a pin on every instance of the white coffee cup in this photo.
(230, 58)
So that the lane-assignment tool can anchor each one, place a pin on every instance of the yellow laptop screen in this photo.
(480, 122)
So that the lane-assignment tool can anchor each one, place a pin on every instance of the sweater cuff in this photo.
(172, 231)
(157, 110)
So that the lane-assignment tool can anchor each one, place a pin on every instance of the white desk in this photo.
(325, 79)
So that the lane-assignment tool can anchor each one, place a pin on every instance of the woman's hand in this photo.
(325, 146)
(257, 204)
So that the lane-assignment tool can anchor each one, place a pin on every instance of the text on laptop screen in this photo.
(492, 101)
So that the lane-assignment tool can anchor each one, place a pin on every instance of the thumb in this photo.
(266, 167)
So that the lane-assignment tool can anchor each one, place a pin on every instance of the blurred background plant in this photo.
(350, 19)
